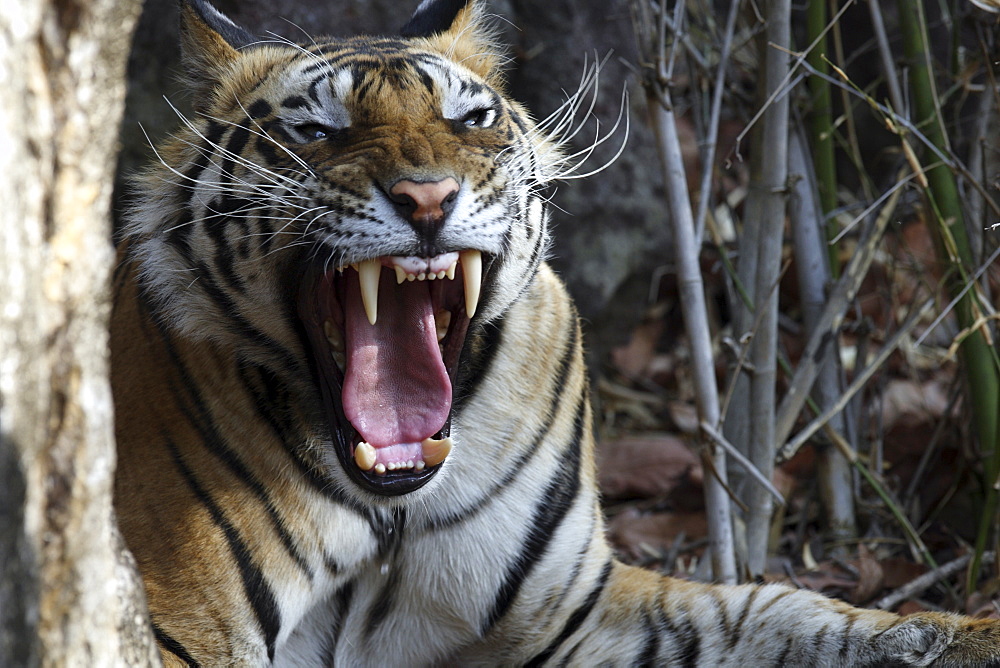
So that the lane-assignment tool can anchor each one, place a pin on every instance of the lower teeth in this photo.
(382, 469)
(434, 452)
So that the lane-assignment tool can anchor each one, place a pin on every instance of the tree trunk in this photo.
(69, 593)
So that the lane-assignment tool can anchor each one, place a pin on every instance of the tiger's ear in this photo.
(210, 44)
(458, 29)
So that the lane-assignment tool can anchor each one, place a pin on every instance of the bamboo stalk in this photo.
(712, 131)
(764, 345)
(978, 355)
(692, 298)
(829, 321)
(885, 55)
(821, 124)
(834, 475)
(920, 583)
(736, 425)
(788, 450)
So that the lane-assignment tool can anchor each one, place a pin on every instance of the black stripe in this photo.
(200, 417)
(571, 653)
(576, 619)
(223, 255)
(689, 636)
(783, 657)
(845, 643)
(722, 619)
(817, 644)
(744, 613)
(383, 603)
(426, 79)
(239, 326)
(213, 134)
(651, 648)
(388, 531)
(274, 409)
(238, 139)
(550, 510)
(180, 234)
(294, 102)
(342, 599)
(174, 647)
(367, 82)
(581, 557)
(479, 354)
(256, 588)
(259, 109)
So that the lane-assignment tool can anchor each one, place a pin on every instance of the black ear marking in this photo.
(233, 34)
(433, 17)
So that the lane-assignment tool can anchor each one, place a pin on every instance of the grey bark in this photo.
(69, 595)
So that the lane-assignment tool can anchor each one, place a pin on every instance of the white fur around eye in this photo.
(476, 111)
(480, 118)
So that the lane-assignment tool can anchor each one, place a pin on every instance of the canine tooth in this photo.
(435, 451)
(450, 272)
(400, 274)
(380, 469)
(472, 271)
(364, 456)
(442, 320)
(369, 271)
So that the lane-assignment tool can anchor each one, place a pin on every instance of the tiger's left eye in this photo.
(480, 118)
(314, 131)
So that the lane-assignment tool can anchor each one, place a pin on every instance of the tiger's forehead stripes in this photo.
(400, 67)
(357, 52)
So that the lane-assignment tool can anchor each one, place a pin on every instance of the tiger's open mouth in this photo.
(386, 335)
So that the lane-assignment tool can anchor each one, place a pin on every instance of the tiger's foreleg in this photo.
(645, 619)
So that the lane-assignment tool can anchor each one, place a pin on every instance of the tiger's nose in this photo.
(425, 205)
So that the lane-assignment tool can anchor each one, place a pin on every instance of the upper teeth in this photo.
(369, 271)
(472, 271)
(418, 269)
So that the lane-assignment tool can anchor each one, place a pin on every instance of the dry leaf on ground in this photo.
(644, 466)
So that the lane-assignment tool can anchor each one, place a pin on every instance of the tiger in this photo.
(352, 410)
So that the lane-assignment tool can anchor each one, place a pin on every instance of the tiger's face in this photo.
(347, 213)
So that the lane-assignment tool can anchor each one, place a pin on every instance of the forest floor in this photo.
(912, 426)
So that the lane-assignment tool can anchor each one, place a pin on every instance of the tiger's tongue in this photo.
(396, 387)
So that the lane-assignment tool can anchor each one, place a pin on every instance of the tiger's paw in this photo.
(938, 639)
